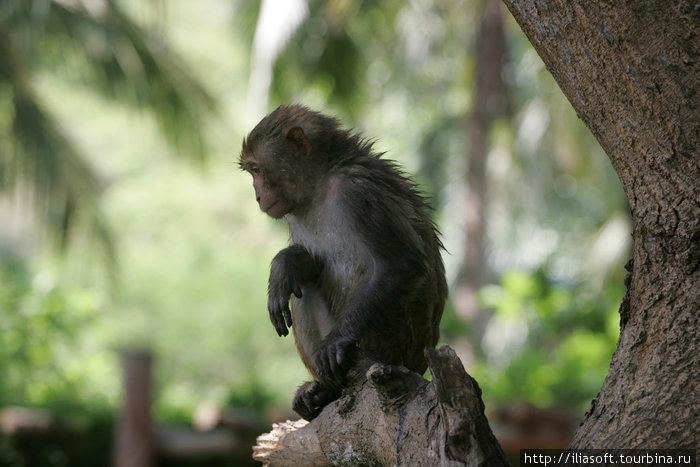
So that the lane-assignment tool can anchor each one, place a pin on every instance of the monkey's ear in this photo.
(296, 136)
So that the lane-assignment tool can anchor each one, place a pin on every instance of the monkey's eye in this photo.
(252, 169)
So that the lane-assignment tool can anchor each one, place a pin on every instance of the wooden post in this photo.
(134, 436)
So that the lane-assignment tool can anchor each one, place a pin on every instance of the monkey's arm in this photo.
(290, 269)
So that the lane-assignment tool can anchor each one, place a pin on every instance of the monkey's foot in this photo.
(333, 358)
(311, 398)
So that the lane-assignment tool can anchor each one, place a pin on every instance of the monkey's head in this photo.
(279, 154)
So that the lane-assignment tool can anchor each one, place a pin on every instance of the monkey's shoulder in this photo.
(375, 178)
(376, 192)
(382, 208)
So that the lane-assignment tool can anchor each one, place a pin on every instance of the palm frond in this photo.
(123, 61)
(63, 187)
(129, 63)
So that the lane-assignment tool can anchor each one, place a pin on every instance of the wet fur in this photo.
(378, 277)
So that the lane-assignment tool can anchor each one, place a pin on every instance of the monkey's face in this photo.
(270, 191)
(281, 166)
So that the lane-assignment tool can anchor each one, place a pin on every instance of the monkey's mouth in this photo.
(276, 210)
(265, 209)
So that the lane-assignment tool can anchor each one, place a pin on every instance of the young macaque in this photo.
(363, 270)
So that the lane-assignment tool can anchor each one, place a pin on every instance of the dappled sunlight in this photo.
(129, 225)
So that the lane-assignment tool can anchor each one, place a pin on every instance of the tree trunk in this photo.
(630, 69)
(134, 438)
(392, 416)
(490, 103)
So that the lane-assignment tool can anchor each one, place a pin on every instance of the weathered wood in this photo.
(392, 416)
(134, 443)
(288, 444)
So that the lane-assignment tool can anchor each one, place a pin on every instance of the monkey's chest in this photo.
(340, 249)
(331, 238)
(341, 275)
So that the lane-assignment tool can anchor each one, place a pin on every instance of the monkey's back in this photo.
(400, 219)
(375, 226)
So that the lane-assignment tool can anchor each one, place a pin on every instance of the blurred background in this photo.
(126, 225)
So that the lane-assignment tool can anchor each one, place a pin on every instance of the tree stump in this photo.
(392, 416)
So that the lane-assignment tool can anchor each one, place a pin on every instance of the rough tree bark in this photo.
(392, 416)
(631, 71)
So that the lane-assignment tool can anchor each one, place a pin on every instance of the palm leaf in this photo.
(126, 62)
(122, 61)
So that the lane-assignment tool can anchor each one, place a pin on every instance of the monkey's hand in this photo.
(311, 398)
(334, 356)
(290, 268)
(280, 289)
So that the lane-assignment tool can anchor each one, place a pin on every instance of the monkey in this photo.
(363, 270)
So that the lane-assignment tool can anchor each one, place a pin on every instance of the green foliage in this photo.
(251, 394)
(42, 327)
(549, 343)
(121, 60)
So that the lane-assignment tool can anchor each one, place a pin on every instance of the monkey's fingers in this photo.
(296, 289)
(304, 407)
(287, 314)
(332, 361)
(311, 398)
(279, 317)
(327, 362)
(345, 355)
